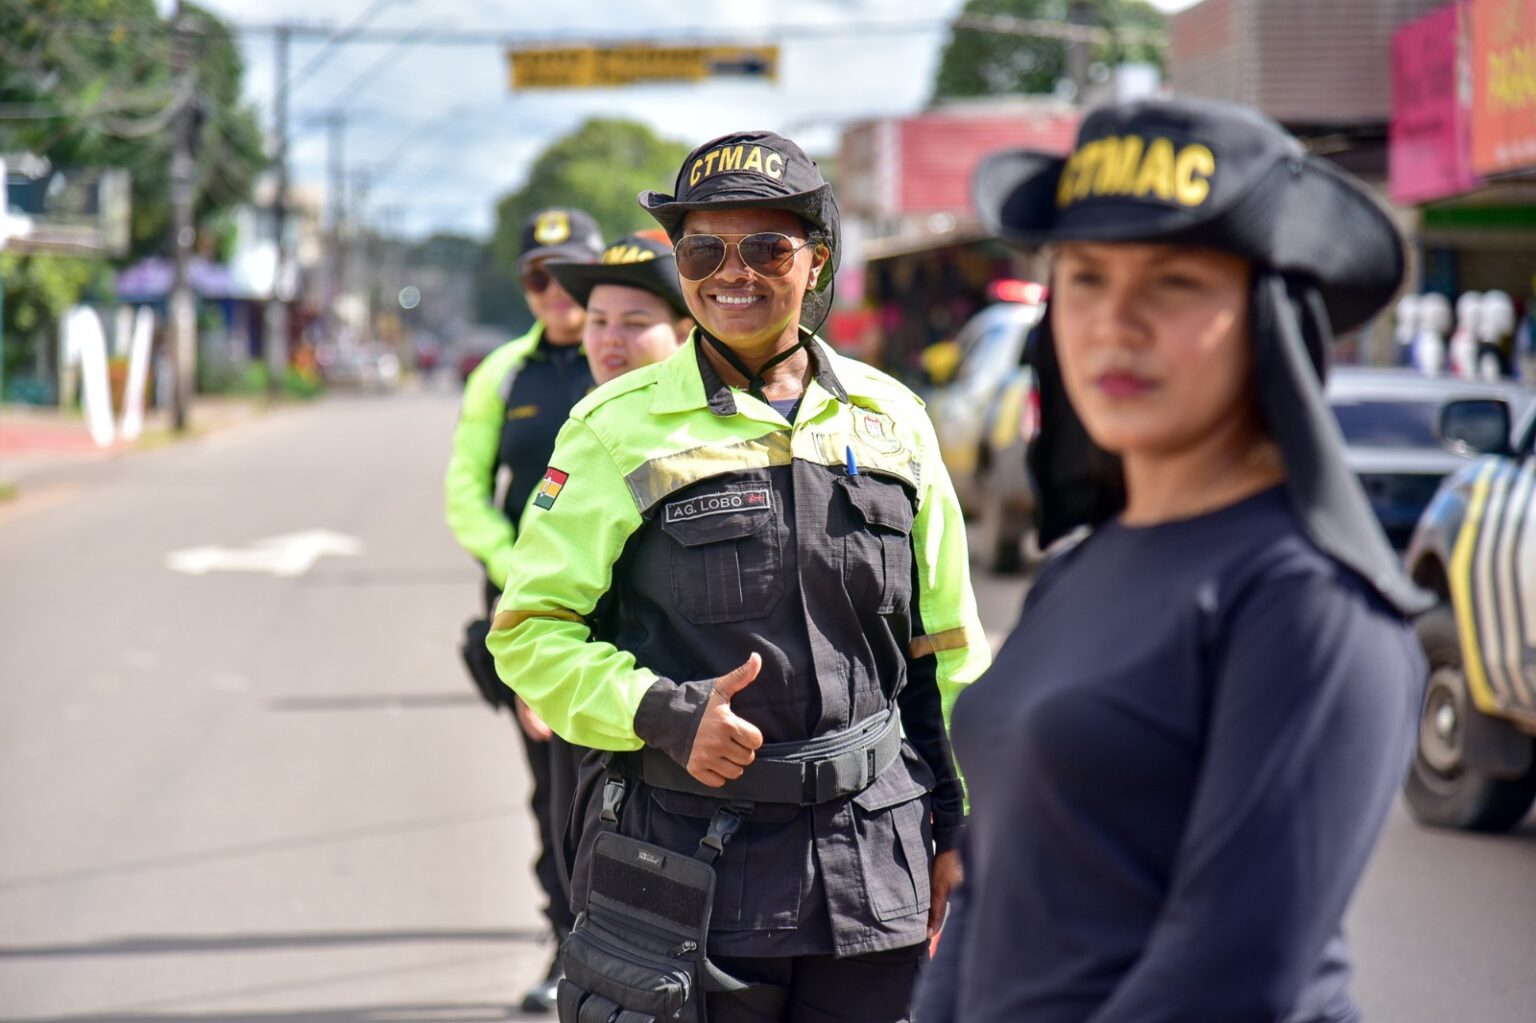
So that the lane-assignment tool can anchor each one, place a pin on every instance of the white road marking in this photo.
(289, 555)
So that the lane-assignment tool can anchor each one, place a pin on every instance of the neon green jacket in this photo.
(654, 433)
(478, 523)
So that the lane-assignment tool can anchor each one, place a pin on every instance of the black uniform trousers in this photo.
(552, 768)
(875, 987)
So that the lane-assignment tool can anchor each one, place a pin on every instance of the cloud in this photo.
(457, 138)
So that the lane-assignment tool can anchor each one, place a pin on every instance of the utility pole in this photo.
(1081, 15)
(183, 319)
(336, 141)
(276, 350)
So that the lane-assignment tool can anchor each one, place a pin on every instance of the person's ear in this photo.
(819, 256)
(684, 327)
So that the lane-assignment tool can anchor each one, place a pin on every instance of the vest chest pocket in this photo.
(725, 555)
(877, 551)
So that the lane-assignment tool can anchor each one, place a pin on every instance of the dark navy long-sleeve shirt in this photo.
(1178, 766)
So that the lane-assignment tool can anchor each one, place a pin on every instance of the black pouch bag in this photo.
(639, 952)
(482, 666)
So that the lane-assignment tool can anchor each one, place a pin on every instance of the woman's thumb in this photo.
(737, 679)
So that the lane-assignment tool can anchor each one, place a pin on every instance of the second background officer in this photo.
(744, 548)
(514, 404)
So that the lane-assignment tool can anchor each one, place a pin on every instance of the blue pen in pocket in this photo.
(853, 467)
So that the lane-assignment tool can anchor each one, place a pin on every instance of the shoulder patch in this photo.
(550, 487)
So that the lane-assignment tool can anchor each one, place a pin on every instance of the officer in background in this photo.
(635, 309)
(514, 405)
(739, 558)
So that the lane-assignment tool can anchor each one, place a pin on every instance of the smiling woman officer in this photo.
(1181, 760)
(746, 573)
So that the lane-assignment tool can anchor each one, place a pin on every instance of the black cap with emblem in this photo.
(634, 261)
(560, 232)
(1204, 174)
(1207, 174)
(756, 170)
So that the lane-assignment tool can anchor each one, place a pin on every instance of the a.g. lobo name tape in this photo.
(720, 502)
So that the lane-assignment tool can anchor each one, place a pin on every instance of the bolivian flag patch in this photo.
(549, 489)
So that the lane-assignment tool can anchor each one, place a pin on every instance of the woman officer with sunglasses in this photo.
(746, 573)
(515, 402)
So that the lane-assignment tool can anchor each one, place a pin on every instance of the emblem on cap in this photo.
(740, 158)
(621, 254)
(552, 227)
(1129, 166)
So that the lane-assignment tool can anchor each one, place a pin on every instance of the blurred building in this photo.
(916, 255)
(1357, 80)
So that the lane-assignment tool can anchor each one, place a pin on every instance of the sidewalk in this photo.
(38, 443)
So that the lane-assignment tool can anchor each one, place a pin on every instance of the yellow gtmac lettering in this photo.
(1134, 167)
(739, 157)
(621, 254)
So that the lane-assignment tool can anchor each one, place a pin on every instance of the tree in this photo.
(599, 167)
(90, 84)
(983, 62)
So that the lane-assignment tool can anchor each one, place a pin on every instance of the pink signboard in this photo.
(1429, 153)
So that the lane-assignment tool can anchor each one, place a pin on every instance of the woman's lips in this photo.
(1123, 385)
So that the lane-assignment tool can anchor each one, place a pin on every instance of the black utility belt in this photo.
(808, 773)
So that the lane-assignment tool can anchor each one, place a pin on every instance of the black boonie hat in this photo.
(1207, 174)
(634, 261)
(755, 170)
(560, 232)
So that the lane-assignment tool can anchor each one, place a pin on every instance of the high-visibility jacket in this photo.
(683, 524)
(515, 403)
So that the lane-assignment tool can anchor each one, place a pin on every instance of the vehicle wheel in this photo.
(1002, 548)
(1441, 790)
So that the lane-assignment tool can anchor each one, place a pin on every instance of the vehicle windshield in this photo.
(1395, 424)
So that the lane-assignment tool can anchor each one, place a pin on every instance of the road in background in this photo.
(255, 797)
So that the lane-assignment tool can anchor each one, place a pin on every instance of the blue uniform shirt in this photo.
(1178, 766)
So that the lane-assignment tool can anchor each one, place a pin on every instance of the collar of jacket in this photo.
(688, 381)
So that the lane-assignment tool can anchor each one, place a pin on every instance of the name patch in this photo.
(1133, 167)
(721, 502)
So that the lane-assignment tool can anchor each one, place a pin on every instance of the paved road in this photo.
(256, 798)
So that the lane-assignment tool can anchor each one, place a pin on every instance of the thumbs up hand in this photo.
(725, 744)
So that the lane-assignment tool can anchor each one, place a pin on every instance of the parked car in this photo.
(370, 366)
(1406, 432)
(1475, 548)
(984, 410)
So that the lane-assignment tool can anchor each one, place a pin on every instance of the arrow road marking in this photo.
(289, 555)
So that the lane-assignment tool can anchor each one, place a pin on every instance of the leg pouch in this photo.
(637, 953)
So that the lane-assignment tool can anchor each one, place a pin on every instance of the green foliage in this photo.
(598, 168)
(96, 82)
(38, 291)
(977, 62)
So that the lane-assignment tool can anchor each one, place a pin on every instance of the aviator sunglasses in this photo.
(766, 253)
(537, 279)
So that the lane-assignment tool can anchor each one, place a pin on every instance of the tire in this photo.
(1441, 790)
(1002, 548)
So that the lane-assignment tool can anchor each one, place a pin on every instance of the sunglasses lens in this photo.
(769, 254)
(536, 280)
(699, 255)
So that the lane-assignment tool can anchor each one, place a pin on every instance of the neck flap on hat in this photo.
(1080, 484)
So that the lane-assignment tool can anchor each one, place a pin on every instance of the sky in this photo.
(441, 136)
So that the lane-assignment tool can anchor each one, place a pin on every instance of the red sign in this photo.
(1504, 79)
(1429, 146)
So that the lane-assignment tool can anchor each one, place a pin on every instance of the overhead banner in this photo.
(1429, 141)
(1504, 85)
(588, 67)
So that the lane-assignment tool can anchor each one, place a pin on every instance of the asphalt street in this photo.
(251, 781)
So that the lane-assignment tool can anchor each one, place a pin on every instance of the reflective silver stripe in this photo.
(658, 477)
